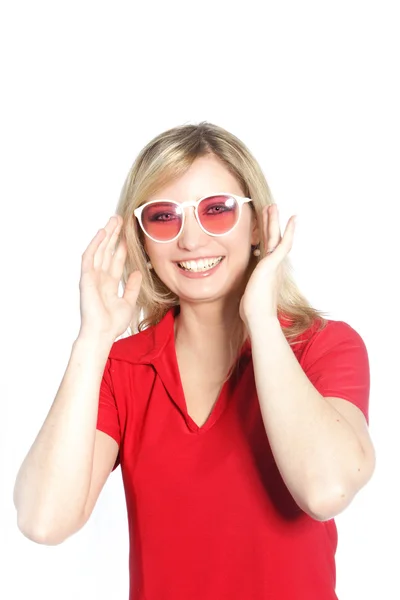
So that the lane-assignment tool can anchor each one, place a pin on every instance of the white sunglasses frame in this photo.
(195, 203)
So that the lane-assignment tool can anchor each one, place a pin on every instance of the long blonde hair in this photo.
(168, 156)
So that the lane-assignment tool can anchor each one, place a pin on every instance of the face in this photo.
(206, 176)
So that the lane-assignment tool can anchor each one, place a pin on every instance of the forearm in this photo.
(316, 450)
(54, 479)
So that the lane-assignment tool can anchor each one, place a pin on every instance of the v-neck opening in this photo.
(216, 410)
(223, 396)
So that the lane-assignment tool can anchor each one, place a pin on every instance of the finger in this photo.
(88, 255)
(118, 260)
(271, 228)
(132, 287)
(109, 250)
(287, 240)
(109, 228)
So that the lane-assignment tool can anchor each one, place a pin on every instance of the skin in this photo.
(207, 305)
(327, 460)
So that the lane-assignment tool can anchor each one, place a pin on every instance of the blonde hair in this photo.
(168, 156)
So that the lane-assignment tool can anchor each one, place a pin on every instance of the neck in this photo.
(206, 328)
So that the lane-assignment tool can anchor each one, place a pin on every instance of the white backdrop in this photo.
(312, 89)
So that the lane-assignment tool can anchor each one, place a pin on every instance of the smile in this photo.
(198, 266)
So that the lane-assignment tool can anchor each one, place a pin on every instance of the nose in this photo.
(192, 236)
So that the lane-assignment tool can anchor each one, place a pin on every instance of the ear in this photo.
(255, 231)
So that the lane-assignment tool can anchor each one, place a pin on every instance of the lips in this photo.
(200, 273)
(200, 265)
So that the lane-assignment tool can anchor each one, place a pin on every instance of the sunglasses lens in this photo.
(162, 220)
(218, 214)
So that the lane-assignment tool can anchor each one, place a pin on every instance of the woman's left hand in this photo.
(260, 299)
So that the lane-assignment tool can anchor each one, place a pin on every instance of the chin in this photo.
(203, 291)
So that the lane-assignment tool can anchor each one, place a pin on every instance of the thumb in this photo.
(132, 288)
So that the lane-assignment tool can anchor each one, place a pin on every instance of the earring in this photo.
(149, 265)
(256, 251)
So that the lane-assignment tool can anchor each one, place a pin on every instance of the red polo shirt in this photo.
(209, 515)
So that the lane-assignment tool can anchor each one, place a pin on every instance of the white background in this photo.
(312, 89)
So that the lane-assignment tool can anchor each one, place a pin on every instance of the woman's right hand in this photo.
(103, 312)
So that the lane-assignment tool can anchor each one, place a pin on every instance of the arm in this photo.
(53, 484)
(317, 451)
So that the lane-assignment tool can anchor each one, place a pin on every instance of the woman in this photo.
(238, 413)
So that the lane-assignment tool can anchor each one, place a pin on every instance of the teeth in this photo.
(200, 265)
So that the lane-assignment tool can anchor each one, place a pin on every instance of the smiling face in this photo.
(227, 255)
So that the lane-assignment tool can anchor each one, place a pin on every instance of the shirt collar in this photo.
(147, 346)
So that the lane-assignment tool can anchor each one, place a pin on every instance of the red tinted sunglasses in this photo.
(163, 220)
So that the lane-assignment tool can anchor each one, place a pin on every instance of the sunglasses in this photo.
(163, 220)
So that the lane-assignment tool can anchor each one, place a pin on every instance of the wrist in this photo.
(261, 325)
(91, 338)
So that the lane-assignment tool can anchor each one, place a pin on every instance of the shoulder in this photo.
(335, 359)
(336, 351)
(337, 333)
(328, 338)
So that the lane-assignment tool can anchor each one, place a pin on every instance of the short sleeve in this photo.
(107, 416)
(336, 362)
